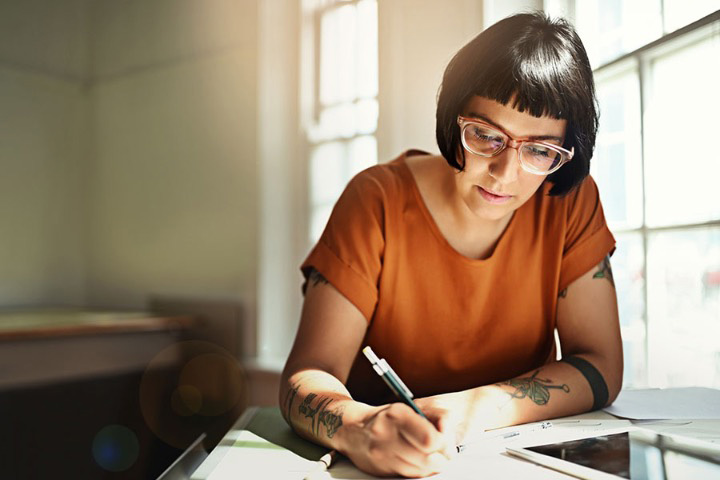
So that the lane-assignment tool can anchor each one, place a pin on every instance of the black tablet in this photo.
(635, 454)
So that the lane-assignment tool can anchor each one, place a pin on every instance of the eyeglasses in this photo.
(535, 157)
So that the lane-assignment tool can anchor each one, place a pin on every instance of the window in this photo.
(340, 110)
(656, 72)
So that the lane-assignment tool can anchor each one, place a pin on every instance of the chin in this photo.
(494, 214)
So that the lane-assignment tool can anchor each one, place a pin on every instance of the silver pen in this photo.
(504, 436)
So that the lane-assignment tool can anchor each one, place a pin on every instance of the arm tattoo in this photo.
(537, 389)
(316, 277)
(332, 419)
(604, 270)
(290, 398)
(321, 415)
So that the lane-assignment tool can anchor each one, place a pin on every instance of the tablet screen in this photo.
(636, 456)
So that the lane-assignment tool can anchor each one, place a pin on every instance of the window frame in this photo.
(640, 60)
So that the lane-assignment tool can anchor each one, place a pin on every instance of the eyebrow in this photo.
(485, 119)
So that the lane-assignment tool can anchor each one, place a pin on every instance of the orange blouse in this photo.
(443, 321)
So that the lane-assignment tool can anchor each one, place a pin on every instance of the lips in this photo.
(493, 197)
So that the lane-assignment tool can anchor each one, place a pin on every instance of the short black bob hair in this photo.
(541, 64)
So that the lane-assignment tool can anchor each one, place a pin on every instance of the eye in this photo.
(540, 151)
(484, 135)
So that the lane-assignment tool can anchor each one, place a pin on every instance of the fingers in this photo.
(422, 450)
(432, 463)
(416, 430)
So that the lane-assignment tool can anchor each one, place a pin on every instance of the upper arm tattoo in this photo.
(536, 389)
(315, 277)
(604, 270)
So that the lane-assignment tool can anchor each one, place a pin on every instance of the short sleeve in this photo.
(587, 237)
(350, 251)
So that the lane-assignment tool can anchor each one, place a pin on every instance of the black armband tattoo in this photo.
(594, 378)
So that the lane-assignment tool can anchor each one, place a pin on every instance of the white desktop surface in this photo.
(251, 449)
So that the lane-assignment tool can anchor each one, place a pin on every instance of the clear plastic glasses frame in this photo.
(517, 144)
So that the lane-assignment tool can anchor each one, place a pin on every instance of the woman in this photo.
(458, 269)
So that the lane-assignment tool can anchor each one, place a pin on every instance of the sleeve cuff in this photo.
(343, 277)
(585, 256)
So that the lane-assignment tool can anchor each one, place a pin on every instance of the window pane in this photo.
(681, 164)
(684, 307)
(363, 154)
(318, 220)
(679, 13)
(627, 265)
(327, 172)
(610, 28)
(367, 49)
(337, 121)
(366, 116)
(337, 68)
(617, 164)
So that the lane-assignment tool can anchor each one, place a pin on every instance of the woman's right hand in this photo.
(394, 440)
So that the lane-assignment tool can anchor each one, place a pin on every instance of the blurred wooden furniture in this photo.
(57, 345)
(67, 375)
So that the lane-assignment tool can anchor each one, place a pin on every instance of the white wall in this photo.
(43, 122)
(417, 38)
(174, 174)
(128, 147)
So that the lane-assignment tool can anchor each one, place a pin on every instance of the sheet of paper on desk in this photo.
(259, 458)
(486, 458)
(668, 403)
(469, 467)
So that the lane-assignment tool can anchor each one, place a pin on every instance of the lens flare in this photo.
(190, 387)
(115, 448)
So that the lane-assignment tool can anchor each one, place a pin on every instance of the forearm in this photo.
(553, 390)
(319, 407)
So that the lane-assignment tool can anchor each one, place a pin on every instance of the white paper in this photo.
(669, 404)
(487, 459)
(254, 457)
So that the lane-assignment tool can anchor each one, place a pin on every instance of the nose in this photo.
(505, 166)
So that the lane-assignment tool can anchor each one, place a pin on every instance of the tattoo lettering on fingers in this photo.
(321, 415)
(537, 389)
(604, 270)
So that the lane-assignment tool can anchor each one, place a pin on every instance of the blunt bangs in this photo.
(539, 65)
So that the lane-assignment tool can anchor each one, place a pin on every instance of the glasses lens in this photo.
(482, 140)
(541, 158)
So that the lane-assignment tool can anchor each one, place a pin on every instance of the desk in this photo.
(67, 373)
(38, 347)
(261, 445)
